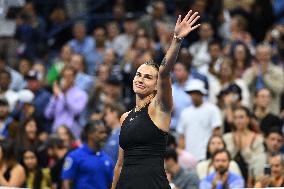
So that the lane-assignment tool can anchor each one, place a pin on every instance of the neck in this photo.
(93, 146)
(115, 124)
(243, 131)
(142, 102)
(61, 153)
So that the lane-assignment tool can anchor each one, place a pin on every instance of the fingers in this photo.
(187, 16)
(178, 20)
(193, 17)
(194, 27)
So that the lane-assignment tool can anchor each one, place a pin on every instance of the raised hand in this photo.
(185, 26)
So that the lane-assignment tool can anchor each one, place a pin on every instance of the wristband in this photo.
(179, 39)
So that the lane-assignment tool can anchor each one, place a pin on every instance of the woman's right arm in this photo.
(117, 168)
(119, 161)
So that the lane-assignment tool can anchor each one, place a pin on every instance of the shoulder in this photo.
(18, 168)
(124, 116)
(228, 136)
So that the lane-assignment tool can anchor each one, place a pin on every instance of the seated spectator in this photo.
(5, 92)
(6, 121)
(112, 114)
(263, 113)
(273, 141)
(65, 134)
(264, 74)
(276, 177)
(12, 173)
(58, 151)
(66, 103)
(205, 167)
(37, 177)
(245, 146)
(181, 178)
(53, 74)
(222, 177)
(89, 160)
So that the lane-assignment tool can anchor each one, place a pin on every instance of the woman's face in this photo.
(31, 129)
(63, 134)
(241, 120)
(240, 53)
(145, 80)
(24, 67)
(225, 70)
(30, 160)
(215, 144)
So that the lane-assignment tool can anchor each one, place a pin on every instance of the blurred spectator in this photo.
(262, 112)
(24, 66)
(41, 97)
(24, 107)
(124, 40)
(111, 59)
(229, 99)
(112, 114)
(6, 120)
(16, 79)
(5, 92)
(205, 167)
(54, 72)
(222, 178)
(264, 74)
(37, 177)
(27, 136)
(83, 80)
(12, 173)
(278, 8)
(157, 13)
(181, 178)
(67, 102)
(273, 141)
(241, 57)
(89, 160)
(65, 134)
(245, 146)
(198, 122)
(113, 31)
(275, 178)
(57, 150)
(185, 159)
(199, 49)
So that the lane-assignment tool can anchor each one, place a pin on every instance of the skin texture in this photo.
(148, 81)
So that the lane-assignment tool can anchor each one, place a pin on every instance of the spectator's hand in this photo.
(185, 26)
(254, 67)
(263, 182)
(56, 89)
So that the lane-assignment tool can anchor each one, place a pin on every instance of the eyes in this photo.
(146, 76)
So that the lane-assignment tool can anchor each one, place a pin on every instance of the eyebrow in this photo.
(145, 74)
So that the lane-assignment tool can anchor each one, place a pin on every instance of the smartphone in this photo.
(267, 170)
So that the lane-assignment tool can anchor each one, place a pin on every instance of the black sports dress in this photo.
(144, 145)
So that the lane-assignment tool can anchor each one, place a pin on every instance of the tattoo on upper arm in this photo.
(164, 62)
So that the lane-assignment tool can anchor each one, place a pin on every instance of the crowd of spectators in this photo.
(66, 70)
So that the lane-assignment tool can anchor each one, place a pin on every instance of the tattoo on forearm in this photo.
(164, 62)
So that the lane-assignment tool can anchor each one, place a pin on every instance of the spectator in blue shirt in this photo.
(112, 115)
(88, 167)
(222, 178)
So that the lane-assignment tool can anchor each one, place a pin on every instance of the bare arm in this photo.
(163, 100)
(119, 161)
(181, 142)
(17, 177)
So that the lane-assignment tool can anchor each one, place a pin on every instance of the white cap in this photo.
(196, 85)
(26, 96)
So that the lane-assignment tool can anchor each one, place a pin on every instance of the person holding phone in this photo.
(273, 173)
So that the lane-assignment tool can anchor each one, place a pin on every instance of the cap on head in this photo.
(34, 75)
(196, 85)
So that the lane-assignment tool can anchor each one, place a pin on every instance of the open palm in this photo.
(185, 26)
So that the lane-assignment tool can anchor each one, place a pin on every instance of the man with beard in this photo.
(222, 178)
(89, 167)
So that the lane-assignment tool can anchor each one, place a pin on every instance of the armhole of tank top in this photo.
(129, 112)
(160, 130)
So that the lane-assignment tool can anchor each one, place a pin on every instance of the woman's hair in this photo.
(90, 128)
(153, 64)
(8, 153)
(68, 131)
(208, 154)
(247, 52)
(38, 172)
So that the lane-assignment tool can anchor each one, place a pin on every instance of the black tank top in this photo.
(142, 141)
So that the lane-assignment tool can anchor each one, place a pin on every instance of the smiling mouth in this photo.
(140, 86)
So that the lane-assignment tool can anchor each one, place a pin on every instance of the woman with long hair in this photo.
(12, 174)
(144, 129)
(37, 177)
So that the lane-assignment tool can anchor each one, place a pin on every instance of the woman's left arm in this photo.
(17, 179)
(163, 100)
